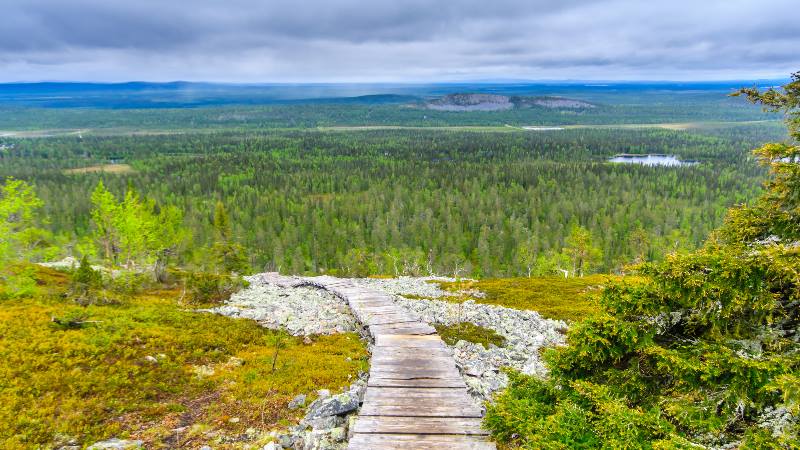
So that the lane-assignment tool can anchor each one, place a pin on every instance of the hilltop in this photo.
(494, 102)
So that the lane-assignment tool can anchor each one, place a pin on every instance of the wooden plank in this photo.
(414, 372)
(409, 328)
(412, 361)
(411, 352)
(369, 409)
(383, 320)
(420, 425)
(365, 441)
(416, 382)
(426, 403)
(383, 392)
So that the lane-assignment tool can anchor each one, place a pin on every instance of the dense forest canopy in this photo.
(480, 203)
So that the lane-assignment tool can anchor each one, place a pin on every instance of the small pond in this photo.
(651, 160)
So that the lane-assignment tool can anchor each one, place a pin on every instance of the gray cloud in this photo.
(408, 40)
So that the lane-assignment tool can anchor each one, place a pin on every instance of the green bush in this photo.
(210, 288)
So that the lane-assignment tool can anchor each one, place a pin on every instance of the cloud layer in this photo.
(397, 40)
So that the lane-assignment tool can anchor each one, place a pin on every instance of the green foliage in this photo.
(581, 251)
(203, 288)
(135, 231)
(135, 369)
(21, 239)
(468, 331)
(704, 350)
(229, 256)
(410, 201)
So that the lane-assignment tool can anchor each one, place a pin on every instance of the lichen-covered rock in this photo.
(333, 406)
(300, 311)
(297, 402)
(116, 444)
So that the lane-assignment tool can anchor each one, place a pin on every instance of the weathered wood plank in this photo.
(386, 392)
(397, 328)
(369, 409)
(420, 425)
(418, 442)
(416, 382)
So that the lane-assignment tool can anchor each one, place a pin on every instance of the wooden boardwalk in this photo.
(415, 397)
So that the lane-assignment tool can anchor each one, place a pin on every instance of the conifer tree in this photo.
(229, 256)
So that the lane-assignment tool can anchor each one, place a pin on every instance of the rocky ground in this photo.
(526, 332)
(301, 311)
(308, 311)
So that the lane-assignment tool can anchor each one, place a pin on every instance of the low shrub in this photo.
(208, 288)
(467, 331)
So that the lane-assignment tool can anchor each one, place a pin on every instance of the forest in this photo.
(478, 203)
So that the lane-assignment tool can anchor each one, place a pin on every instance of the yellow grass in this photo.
(106, 168)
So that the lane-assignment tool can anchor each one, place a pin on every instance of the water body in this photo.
(651, 160)
(543, 128)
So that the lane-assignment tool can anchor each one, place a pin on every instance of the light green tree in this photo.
(136, 231)
(228, 255)
(582, 252)
(21, 238)
(526, 255)
(105, 213)
(20, 235)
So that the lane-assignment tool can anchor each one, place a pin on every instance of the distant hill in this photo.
(494, 102)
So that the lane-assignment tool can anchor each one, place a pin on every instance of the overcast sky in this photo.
(397, 40)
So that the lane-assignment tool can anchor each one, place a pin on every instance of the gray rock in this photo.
(338, 434)
(271, 446)
(297, 402)
(286, 440)
(206, 447)
(116, 444)
(324, 423)
(301, 311)
(333, 406)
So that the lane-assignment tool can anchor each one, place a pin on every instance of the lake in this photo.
(651, 160)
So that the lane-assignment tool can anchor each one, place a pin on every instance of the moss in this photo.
(143, 367)
(416, 297)
(466, 331)
(553, 297)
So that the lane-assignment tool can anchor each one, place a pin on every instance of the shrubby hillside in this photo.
(705, 351)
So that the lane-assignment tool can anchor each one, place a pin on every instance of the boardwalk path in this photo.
(415, 396)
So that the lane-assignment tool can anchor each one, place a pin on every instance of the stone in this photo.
(324, 423)
(206, 447)
(338, 434)
(297, 402)
(337, 405)
(151, 359)
(270, 446)
(351, 422)
(302, 311)
(286, 441)
(116, 444)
